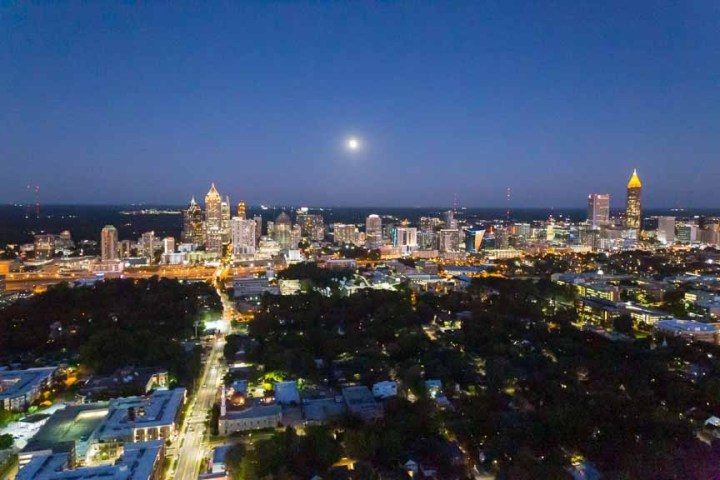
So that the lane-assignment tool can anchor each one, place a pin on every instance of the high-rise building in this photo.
(666, 230)
(295, 236)
(312, 225)
(405, 237)
(147, 244)
(449, 240)
(687, 233)
(373, 231)
(241, 210)
(345, 234)
(473, 240)
(243, 237)
(108, 243)
(214, 242)
(193, 228)
(225, 220)
(598, 209)
(168, 245)
(282, 230)
(213, 213)
(633, 209)
(450, 223)
(258, 228)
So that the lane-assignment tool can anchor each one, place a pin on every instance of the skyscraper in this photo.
(666, 230)
(193, 229)
(109, 243)
(241, 210)
(225, 220)
(147, 243)
(373, 231)
(213, 213)
(243, 237)
(598, 209)
(633, 209)
(282, 231)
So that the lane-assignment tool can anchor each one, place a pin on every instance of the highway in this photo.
(193, 435)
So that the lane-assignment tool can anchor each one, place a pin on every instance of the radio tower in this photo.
(455, 203)
(508, 214)
(36, 190)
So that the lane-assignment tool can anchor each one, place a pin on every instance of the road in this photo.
(192, 437)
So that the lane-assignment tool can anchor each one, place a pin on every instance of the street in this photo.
(192, 438)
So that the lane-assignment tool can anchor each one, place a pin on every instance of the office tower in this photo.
(312, 225)
(450, 223)
(426, 239)
(666, 230)
(243, 237)
(125, 248)
(633, 209)
(108, 243)
(687, 233)
(449, 240)
(345, 234)
(213, 213)
(271, 229)
(225, 220)
(473, 240)
(147, 246)
(168, 245)
(295, 236)
(598, 209)
(241, 210)
(373, 231)
(214, 241)
(502, 236)
(282, 230)
(405, 237)
(193, 228)
(258, 227)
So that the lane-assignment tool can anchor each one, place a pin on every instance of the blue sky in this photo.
(109, 103)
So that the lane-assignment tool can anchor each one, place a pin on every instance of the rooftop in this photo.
(15, 383)
(686, 326)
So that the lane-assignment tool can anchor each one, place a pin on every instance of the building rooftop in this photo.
(686, 326)
(254, 412)
(15, 383)
(155, 410)
(138, 462)
(67, 426)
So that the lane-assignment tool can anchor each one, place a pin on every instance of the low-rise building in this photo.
(360, 402)
(689, 329)
(252, 418)
(20, 388)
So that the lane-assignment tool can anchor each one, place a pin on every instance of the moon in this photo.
(353, 144)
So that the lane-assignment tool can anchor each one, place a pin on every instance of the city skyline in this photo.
(145, 104)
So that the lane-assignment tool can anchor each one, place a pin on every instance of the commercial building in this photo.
(473, 240)
(666, 230)
(44, 246)
(193, 227)
(449, 240)
(344, 234)
(20, 388)
(98, 432)
(633, 207)
(243, 237)
(136, 461)
(598, 209)
(688, 329)
(109, 243)
(405, 238)
(373, 231)
(282, 231)
(213, 220)
(250, 286)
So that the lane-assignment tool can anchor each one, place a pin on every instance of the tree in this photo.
(623, 324)
(6, 441)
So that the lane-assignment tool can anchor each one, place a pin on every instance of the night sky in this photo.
(124, 103)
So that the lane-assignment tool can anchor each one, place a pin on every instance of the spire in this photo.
(634, 180)
(213, 191)
(192, 201)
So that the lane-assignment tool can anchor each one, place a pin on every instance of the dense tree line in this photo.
(110, 324)
(528, 390)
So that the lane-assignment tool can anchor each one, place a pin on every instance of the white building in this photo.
(243, 237)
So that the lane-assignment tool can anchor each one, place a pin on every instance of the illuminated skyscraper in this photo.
(109, 243)
(241, 210)
(193, 228)
(213, 213)
(147, 244)
(243, 237)
(633, 209)
(598, 209)
(373, 231)
(282, 231)
(473, 240)
(225, 220)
